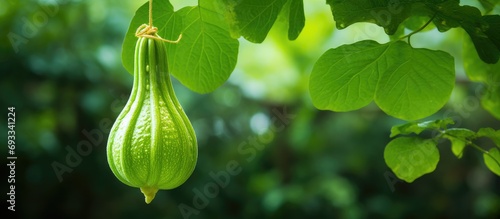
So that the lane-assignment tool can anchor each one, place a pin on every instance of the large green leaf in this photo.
(206, 55)
(406, 83)
(345, 78)
(492, 160)
(418, 85)
(411, 157)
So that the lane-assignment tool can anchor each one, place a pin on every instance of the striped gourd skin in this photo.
(152, 144)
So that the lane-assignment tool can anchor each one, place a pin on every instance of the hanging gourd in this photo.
(152, 144)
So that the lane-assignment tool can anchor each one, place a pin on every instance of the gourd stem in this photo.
(150, 31)
(151, 13)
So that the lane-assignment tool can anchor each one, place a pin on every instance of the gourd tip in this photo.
(149, 193)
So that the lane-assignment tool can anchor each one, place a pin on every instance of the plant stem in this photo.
(485, 152)
(419, 29)
(151, 13)
(149, 31)
(475, 146)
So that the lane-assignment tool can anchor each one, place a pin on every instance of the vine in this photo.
(418, 30)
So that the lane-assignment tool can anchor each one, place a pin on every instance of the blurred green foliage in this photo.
(67, 78)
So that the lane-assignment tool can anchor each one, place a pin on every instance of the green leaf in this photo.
(206, 55)
(253, 19)
(484, 41)
(411, 157)
(449, 14)
(492, 160)
(489, 5)
(461, 133)
(459, 138)
(418, 85)
(483, 30)
(345, 78)
(418, 127)
(490, 133)
(297, 19)
(406, 83)
(387, 14)
(457, 147)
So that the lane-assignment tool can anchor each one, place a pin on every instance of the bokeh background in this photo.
(65, 78)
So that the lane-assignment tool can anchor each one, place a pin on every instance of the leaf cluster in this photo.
(410, 157)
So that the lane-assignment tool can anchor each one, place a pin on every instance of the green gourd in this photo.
(152, 144)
